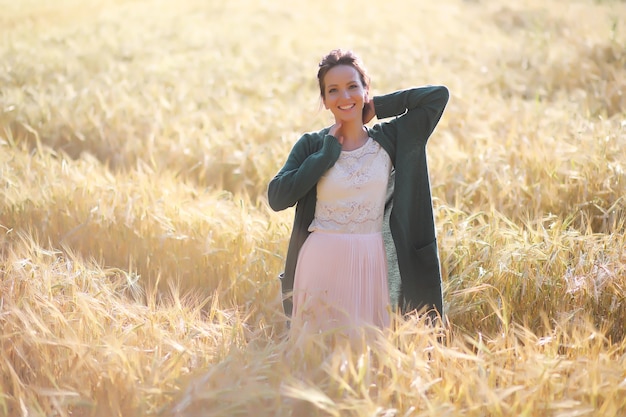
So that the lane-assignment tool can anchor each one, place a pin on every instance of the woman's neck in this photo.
(354, 136)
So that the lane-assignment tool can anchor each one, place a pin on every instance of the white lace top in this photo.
(351, 194)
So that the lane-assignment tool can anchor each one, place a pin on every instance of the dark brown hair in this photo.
(341, 57)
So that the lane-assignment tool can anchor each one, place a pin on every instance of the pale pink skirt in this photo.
(341, 282)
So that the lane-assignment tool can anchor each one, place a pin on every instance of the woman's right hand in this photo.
(335, 130)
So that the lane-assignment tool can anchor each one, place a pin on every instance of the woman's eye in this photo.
(353, 86)
(332, 90)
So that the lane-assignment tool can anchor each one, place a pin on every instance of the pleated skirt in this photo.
(341, 282)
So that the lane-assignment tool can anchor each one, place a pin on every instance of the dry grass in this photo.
(138, 254)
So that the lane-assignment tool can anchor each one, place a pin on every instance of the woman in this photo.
(342, 179)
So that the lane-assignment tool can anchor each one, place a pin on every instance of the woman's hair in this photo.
(340, 57)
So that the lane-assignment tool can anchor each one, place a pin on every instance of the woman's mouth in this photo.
(348, 107)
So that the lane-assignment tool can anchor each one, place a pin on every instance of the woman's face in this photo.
(344, 94)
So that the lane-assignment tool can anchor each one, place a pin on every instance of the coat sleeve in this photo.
(302, 170)
(419, 110)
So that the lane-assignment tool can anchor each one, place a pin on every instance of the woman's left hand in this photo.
(368, 111)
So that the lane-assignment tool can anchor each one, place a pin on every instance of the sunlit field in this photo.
(139, 257)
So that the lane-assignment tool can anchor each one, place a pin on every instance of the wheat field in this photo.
(139, 256)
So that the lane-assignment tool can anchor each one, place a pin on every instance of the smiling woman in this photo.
(342, 180)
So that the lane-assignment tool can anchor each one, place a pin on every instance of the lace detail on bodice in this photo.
(351, 194)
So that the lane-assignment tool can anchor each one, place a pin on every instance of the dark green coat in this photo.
(409, 212)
